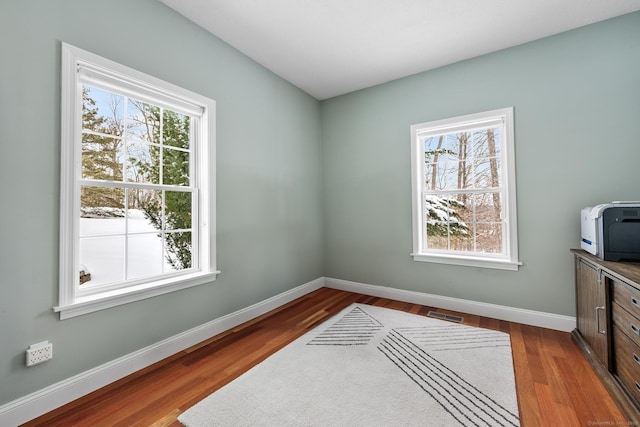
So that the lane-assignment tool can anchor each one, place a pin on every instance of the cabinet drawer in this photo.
(627, 357)
(627, 297)
(627, 323)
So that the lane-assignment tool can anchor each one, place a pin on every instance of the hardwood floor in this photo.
(555, 384)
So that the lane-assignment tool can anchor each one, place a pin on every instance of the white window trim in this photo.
(74, 62)
(510, 260)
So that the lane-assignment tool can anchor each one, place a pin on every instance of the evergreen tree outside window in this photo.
(463, 186)
(137, 201)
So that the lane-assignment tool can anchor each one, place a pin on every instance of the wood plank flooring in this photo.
(555, 384)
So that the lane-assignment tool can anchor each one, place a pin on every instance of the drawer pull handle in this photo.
(636, 358)
(637, 386)
(598, 328)
(635, 302)
(635, 329)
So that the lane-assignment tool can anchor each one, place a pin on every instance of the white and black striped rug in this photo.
(372, 366)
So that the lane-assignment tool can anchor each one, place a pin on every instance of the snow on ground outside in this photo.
(104, 256)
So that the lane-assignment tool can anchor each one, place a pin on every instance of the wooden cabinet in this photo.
(627, 364)
(591, 309)
(608, 325)
(625, 309)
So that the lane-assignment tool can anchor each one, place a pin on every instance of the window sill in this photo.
(468, 261)
(101, 301)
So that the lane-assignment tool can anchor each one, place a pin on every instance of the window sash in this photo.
(504, 249)
(90, 289)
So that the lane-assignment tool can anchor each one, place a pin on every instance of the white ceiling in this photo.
(331, 47)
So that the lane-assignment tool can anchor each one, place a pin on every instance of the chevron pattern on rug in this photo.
(355, 328)
(372, 366)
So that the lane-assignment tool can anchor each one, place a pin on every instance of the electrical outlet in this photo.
(38, 353)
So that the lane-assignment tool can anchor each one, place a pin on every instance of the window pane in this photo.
(452, 144)
(489, 237)
(463, 242)
(444, 220)
(101, 211)
(441, 171)
(103, 258)
(483, 215)
(465, 208)
(437, 241)
(491, 173)
(478, 147)
(446, 173)
(464, 175)
(494, 141)
(177, 210)
(178, 250)
(101, 157)
(175, 167)
(175, 129)
(102, 111)
(139, 221)
(434, 146)
(488, 207)
(143, 162)
(143, 122)
(102, 130)
(144, 255)
(436, 209)
(486, 159)
(149, 216)
(429, 178)
(462, 239)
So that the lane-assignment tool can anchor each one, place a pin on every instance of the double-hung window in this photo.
(463, 187)
(137, 185)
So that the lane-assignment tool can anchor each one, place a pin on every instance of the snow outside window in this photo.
(463, 179)
(137, 202)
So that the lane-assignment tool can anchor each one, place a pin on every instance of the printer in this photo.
(612, 231)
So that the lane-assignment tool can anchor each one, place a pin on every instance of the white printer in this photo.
(612, 231)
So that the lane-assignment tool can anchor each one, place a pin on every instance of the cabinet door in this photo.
(592, 308)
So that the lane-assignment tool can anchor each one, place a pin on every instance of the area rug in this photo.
(372, 366)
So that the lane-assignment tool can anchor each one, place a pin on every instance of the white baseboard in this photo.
(38, 403)
(517, 315)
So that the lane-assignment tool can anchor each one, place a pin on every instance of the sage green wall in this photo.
(269, 211)
(577, 128)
